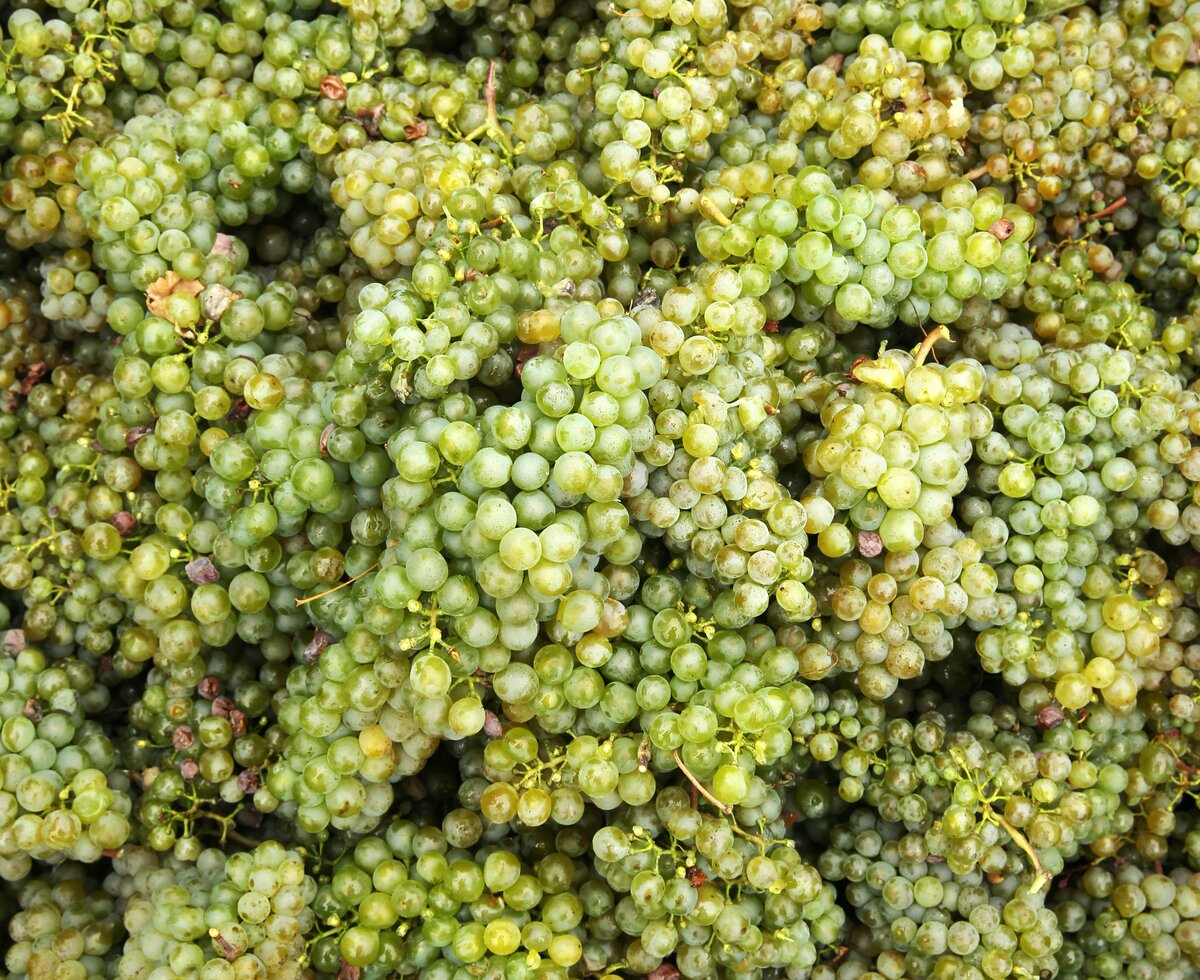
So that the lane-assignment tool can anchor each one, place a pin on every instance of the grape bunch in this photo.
(63, 791)
(63, 924)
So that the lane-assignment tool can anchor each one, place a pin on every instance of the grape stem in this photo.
(1116, 205)
(722, 807)
(228, 832)
(1041, 877)
(942, 332)
(340, 585)
(709, 209)
(493, 123)
(834, 659)
(700, 786)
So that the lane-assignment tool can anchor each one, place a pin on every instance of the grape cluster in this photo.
(62, 790)
(213, 915)
(859, 254)
(64, 924)
(1130, 920)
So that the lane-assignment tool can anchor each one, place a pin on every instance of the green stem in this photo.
(1041, 877)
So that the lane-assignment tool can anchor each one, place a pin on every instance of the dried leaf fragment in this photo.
(217, 299)
(168, 285)
(333, 87)
(223, 245)
(239, 410)
(1002, 229)
(33, 374)
(136, 433)
(369, 117)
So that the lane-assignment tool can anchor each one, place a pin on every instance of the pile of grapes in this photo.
(599, 489)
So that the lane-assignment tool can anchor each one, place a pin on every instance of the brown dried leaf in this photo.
(369, 117)
(1002, 229)
(416, 130)
(333, 87)
(169, 285)
(136, 433)
(33, 374)
(239, 410)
